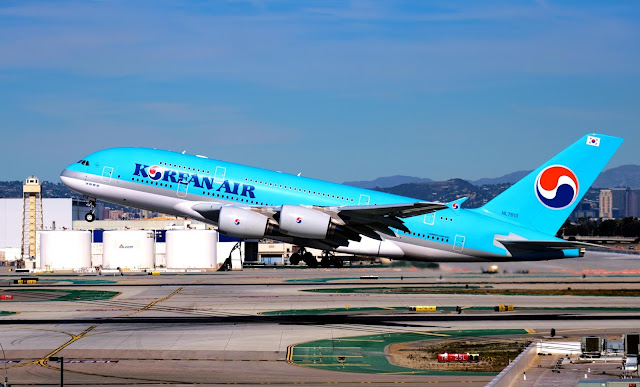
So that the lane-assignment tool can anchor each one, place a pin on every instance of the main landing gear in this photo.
(329, 259)
(90, 216)
(303, 255)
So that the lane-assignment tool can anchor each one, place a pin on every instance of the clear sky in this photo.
(336, 90)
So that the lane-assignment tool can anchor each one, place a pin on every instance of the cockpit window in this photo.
(84, 162)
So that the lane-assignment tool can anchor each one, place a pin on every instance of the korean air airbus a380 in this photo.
(253, 203)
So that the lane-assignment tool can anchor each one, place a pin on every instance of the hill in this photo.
(13, 189)
(510, 178)
(622, 176)
(387, 181)
(449, 190)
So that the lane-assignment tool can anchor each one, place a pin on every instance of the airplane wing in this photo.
(370, 219)
(367, 220)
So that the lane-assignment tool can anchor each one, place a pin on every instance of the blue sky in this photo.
(335, 90)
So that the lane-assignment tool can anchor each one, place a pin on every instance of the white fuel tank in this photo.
(65, 250)
(191, 249)
(134, 249)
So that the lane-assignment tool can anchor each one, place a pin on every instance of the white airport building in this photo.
(57, 215)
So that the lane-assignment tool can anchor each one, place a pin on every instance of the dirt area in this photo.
(494, 354)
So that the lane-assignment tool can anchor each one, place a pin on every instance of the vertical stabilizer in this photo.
(545, 198)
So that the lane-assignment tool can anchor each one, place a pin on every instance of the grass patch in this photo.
(505, 292)
(366, 354)
(43, 294)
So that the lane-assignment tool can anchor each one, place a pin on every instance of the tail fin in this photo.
(544, 199)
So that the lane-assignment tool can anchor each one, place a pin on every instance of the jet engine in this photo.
(304, 222)
(241, 223)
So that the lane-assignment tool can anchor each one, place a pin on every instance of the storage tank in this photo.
(134, 249)
(65, 250)
(191, 249)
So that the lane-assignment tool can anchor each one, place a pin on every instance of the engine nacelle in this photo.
(241, 223)
(304, 222)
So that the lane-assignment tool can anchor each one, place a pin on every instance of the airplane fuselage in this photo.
(172, 183)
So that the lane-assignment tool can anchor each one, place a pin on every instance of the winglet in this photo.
(457, 204)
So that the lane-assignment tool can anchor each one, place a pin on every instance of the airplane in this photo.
(253, 203)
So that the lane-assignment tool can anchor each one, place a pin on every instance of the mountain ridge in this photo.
(621, 176)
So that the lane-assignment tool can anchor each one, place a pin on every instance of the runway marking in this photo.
(327, 355)
(529, 330)
(43, 362)
(289, 353)
(336, 365)
(432, 334)
(578, 330)
(329, 347)
(153, 303)
(370, 341)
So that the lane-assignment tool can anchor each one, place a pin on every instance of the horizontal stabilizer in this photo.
(520, 247)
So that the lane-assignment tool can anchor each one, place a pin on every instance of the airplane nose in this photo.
(64, 177)
(71, 179)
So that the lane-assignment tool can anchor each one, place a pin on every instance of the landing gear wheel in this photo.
(295, 258)
(90, 216)
(325, 262)
(310, 260)
(337, 262)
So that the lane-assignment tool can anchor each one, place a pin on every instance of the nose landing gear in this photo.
(90, 216)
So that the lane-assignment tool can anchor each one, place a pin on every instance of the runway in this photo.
(223, 328)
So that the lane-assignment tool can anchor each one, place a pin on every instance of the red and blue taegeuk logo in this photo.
(557, 187)
(298, 220)
(155, 172)
(236, 222)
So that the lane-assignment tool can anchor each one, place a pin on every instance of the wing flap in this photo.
(400, 210)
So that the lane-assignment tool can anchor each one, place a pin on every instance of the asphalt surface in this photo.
(210, 328)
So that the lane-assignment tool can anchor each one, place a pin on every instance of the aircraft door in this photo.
(219, 175)
(364, 200)
(430, 218)
(107, 172)
(183, 186)
(458, 243)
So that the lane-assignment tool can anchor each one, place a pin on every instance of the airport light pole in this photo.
(61, 360)
(6, 376)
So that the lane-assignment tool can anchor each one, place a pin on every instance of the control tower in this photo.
(31, 215)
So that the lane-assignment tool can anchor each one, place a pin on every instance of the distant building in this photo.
(618, 203)
(585, 209)
(115, 214)
(606, 204)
